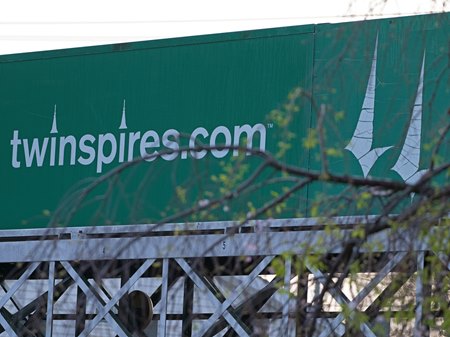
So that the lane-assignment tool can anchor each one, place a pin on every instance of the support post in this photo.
(287, 299)
(163, 301)
(188, 307)
(80, 322)
(50, 298)
(422, 290)
(123, 302)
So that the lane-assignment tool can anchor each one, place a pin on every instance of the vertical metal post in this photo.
(123, 302)
(419, 328)
(301, 302)
(80, 321)
(163, 306)
(50, 297)
(287, 286)
(188, 307)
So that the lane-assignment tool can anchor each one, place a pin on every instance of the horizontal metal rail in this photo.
(194, 227)
(186, 246)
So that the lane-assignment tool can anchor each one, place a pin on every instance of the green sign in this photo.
(137, 132)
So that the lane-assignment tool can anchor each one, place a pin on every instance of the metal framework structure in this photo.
(198, 256)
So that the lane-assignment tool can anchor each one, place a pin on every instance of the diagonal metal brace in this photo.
(223, 307)
(31, 268)
(115, 323)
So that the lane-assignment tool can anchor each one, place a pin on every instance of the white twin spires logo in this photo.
(407, 165)
(361, 143)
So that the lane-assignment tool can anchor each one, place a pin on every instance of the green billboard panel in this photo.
(135, 133)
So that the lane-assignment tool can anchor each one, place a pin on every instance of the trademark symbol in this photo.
(269, 125)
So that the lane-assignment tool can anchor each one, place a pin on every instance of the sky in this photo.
(30, 25)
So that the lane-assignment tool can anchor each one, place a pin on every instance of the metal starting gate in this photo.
(188, 264)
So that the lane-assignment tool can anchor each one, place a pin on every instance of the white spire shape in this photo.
(361, 143)
(123, 123)
(54, 125)
(407, 165)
